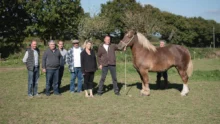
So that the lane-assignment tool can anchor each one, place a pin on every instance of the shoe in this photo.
(118, 94)
(99, 94)
(72, 92)
(58, 94)
(47, 94)
(30, 95)
(37, 95)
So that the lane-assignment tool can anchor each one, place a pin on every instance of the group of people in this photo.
(81, 62)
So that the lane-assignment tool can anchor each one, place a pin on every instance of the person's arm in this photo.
(44, 59)
(68, 57)
(115, 46)
(25, 57)
(96, 67)
(82, 62)
(99, 58)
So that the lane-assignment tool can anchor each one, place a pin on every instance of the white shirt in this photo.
(35, 57)
(76, 57)
(106, 47)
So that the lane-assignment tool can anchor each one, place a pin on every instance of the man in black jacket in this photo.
(31, 59)
(50, 65)
(164, 73)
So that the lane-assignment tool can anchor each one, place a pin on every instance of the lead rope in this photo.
(125, 69)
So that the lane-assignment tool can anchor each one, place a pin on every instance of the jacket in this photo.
(69, 58)
(107, 58)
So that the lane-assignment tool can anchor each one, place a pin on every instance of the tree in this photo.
(54, 19)
(116, 9)
(13, 22)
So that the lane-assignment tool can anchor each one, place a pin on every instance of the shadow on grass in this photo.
(154, 86)
(107, 88)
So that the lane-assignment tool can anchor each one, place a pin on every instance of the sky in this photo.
(208, 9)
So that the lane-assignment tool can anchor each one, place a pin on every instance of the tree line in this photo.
(66, 19)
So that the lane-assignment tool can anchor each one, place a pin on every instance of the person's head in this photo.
(33, 44)
(60, 44)
(107, 40)
(162, 43)
(52, 45)
(88, 45)
(75, 43)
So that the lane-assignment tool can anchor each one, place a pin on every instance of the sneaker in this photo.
(30, 95)
(58, 94)
(72, 92)
(37, 95)
(47, 94)
(118, 94)
(99, 94)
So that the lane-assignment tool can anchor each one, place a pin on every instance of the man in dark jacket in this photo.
(164, 73)
(107, 61)
(50, 65)
(31, 59)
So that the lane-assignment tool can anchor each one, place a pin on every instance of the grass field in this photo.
(201, 106)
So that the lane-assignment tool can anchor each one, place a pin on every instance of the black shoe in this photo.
(118, 94)
(47, 94)
(58, 94)
(99, 94)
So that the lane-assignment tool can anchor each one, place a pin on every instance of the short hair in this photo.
(163, 41)
(107, 36)
(60, 41)
(51, 41)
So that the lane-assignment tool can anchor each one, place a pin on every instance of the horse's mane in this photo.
(145, 42)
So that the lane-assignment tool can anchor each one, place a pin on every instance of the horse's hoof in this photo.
(183, 94)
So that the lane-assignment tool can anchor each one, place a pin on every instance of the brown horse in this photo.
(146, 57)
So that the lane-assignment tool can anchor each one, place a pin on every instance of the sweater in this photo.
(51, 60)
(88, 62)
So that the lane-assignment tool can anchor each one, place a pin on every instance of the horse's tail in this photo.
(189, 70)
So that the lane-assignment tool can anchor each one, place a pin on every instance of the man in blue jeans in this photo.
(31, 59)
(73, 59)
(50, 65)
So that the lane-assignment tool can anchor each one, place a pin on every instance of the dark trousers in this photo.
(52, 76)
(114, 78)
(61, 70)
(88, 80)
(165, 76)
(33, 77)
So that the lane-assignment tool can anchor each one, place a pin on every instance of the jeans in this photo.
(77, 73)
(52, 75)
(33, 77)
(114, 78)
(61, 70)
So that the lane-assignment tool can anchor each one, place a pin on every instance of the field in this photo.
(161, 107)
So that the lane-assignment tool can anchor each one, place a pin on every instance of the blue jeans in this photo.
(77, 73)
(52, 75)
(33, 77)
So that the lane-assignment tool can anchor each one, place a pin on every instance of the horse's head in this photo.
(127, 40)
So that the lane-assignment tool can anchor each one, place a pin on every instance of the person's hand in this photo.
(100, 67)
(44, 70)
(125, 49)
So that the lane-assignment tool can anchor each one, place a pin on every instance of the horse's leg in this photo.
(184, 77)
(145, 82)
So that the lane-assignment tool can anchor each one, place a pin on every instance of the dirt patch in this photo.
(3, 69)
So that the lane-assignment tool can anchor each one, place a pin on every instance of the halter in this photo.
(126, 44)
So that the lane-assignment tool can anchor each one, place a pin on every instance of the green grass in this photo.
(162, 107)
